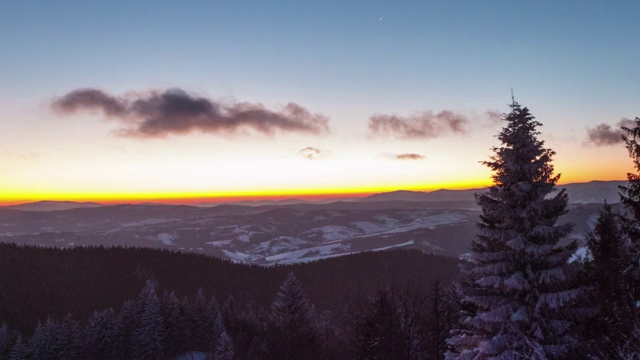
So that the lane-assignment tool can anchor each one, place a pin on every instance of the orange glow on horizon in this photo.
(172, 197)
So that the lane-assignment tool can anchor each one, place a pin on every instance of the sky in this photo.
(135, 101)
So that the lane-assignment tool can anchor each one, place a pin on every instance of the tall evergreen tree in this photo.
(43, 343)
(19, 350)
(148, 335)
(177, 328)
(126, 323)
(201, 318)
(377, 330)
(69, 339)
(100, 335)
(630, 194)
(292, 334)
(216, 328)
(391, 326)
(330, 335)
(442, 318)
(610, 329)
(520, 279)
(630, 197)
(6, 341)
(223, 349)
(247, 329)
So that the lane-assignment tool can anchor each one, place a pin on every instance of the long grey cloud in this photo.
(605, 134)
(176, 112)
(425, 125)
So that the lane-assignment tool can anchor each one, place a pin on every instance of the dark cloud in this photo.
(409, 157)
(605, 134)
(176, 112)
(90, 99)
(311, 153)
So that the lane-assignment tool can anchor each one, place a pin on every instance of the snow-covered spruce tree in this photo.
(217, 327)
(630, 194)
(377, 332)
(609, 331)
(223, 349)
(69, 339)
(520, 283)
(391, 326)
(149, 333)
(247, 329)
(127, 320)
(176, 325)
(292, 332)
(630, 197)
(42, 345)
(6, 341)
(201, 317)
(331, 336)
(442, 316)
(19, 350)
(100, 335)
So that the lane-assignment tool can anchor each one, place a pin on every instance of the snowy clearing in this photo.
(166, 238)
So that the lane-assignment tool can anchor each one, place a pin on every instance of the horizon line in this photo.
(204, 199)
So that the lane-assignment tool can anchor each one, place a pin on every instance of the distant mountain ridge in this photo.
(437, 195)
(579, 193)
(48, 205)
(595, 191)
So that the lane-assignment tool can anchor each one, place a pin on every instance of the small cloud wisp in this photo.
(410, 157)
(312, 153)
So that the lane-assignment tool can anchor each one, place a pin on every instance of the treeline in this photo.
(36, 283)
(393, 324)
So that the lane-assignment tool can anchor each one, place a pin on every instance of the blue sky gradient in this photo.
(574, 63)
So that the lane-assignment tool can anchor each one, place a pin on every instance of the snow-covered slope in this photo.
(260, 235)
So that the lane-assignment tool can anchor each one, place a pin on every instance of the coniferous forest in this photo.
(521, 294)
(48, 288)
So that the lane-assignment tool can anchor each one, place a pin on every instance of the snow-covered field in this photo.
(263, 235)
(166, 239)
